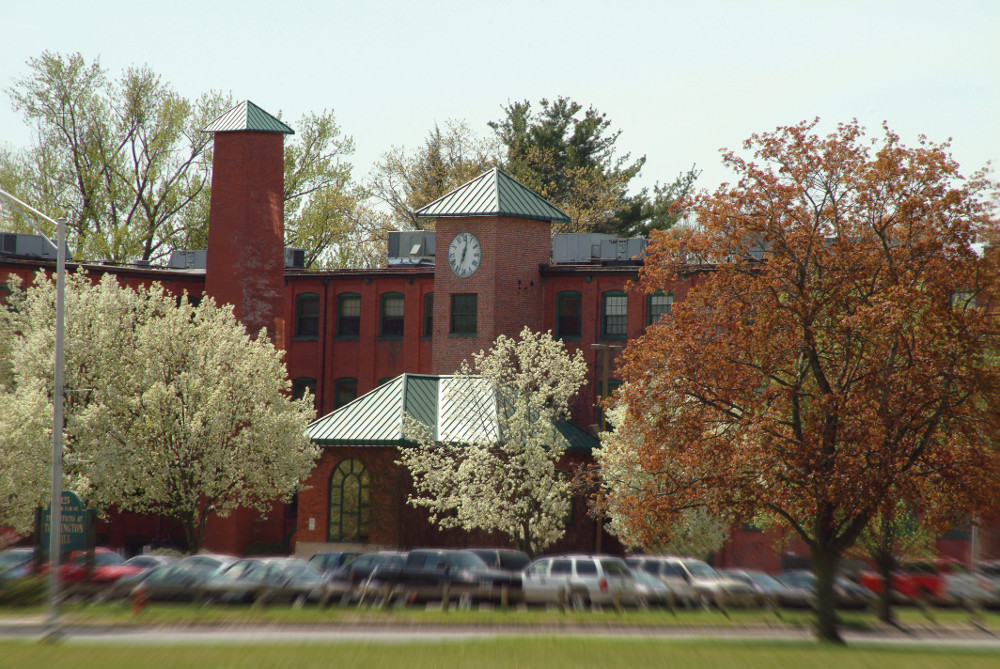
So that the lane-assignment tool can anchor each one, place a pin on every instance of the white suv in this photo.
(579, 580)
(687, 575)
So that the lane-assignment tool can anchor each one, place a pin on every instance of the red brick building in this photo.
(492, 266)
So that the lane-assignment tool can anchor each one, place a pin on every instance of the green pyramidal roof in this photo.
(247, 117)
(493, 193)
(456, 409)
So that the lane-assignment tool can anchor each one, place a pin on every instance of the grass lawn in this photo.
(507, 652)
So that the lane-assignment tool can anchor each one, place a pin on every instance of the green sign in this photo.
(74, 524)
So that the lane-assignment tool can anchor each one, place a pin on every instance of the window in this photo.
(658, 305)
(301, 385)
(392, 315)
(569, 315)
(614, 314)
(385, 380)
(429, 315)
(348, 315)
(350, 502)
(307, 316)
(464, 307)
(344, 391)
(601, 395)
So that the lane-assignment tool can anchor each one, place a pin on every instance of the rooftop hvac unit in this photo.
(188, 259)
(623, 249)
(577, 247)
(32, 246)
(407, 247)
(295, 258)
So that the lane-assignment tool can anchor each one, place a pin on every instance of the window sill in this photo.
(389, 337)
(306, 338)
(347, 338)
(463, 335)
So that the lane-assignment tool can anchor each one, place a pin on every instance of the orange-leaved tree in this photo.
(824, 360)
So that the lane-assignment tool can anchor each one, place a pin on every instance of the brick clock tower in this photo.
(491, 236)
(246, 232)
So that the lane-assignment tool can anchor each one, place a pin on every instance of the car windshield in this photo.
(760, 578)
(615, 568)
(466, 560)
(13, 558)
(701, 570)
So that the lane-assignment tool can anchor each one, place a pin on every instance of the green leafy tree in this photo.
(127, 163)
(323, 206)
(121, 159)
(406, 181)
(567, 155)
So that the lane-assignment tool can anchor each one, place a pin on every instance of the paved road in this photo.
(963, 636)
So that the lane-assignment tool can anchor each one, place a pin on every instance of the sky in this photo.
(681, 80)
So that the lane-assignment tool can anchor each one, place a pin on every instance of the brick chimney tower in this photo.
(246, 245)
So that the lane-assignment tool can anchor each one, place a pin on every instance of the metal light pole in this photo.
(605, 368)
(55, 517)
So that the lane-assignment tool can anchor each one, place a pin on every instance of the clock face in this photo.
(464, 254)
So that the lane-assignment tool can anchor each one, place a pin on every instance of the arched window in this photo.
(350, 502)
(307, 316)
(391, 322)
(569, 315)
(614, 314)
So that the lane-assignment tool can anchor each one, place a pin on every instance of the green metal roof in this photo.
(246, 116)
(493, 193)
(453, 413)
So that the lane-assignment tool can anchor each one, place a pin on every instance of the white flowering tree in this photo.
(25, 453)
(499, 471)
(693, 530)
(170, 408)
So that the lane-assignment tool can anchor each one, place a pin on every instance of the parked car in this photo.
(108, 567)
(16, 562)
(361, 575)
(148, 561)
(671, 575)
(182, 581)
(988, 574)
(850, 595)
(708, 585)
(503, 558)
(268, 580)
(426, 573)
(579, 580)
(329, 561)
(769, 591)
(943, 582)
(652, 591)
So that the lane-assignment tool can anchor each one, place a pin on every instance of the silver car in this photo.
(579, 580)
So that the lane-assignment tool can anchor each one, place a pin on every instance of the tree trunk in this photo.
(885, 562)
(825, 560)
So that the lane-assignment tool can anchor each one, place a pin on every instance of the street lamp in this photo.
(603, 395)
(55, 517)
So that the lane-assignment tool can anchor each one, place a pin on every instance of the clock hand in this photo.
(465, 250)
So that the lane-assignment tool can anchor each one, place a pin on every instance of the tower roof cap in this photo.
(247, 117)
